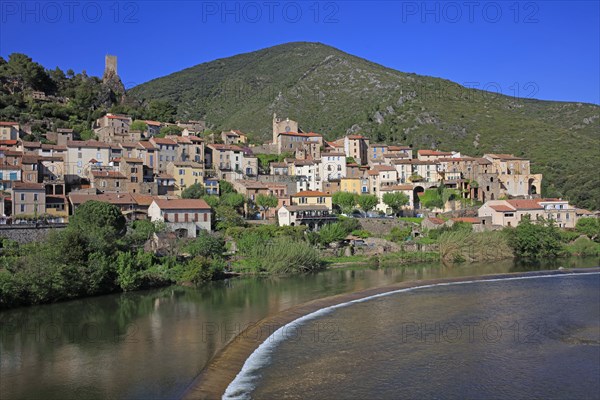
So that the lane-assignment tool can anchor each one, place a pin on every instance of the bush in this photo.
(332, 233)
(529, 240)
(584, 247)
(398, 234)
(206, 245)
(349, 224)
(462, 245)
(589, 227)
(283, 255)
(199, 270)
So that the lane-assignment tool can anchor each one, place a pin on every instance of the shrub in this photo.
(398, 234)
(584, 247)
(283, 255)
(461, 245)
(529, 240)
(206, 245)
(332, 233)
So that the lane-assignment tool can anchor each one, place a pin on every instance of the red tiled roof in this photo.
(502, 208)
(32, 144)
(398, 148)
(310, 193)
(433, 153)
(146, 145)
(155, 123)
(468, 220)
(225, 147)
(3, 123)
(87, 143)
(182, 204)
(117, 117)
(356, 137)
(28, 186)
(163, 141)
(108, 174)
(384, 168)
(396, 187)
(112, 198)
(437, 221)
(525, 204)
(8, 142)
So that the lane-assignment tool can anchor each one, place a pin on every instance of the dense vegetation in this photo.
(97, 253)
(331, 92)
(73, 100)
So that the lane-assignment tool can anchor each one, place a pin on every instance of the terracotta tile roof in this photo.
(146, 145)
(117, 116)
(108, 174)
(525, 204)
(142, 199)
(182, 204)
(112, 198)
(132, 160)
(28, 186)
(309, 134)
(307, 207)
(333, 154)
(32, 144)
(29, 159)
(87, 143)
(433, 153)
(225, 147)
(304, 162)
(164, 141)
(8, 142)
(3, 123)
(373, 172)
(396, 187)
(155, 123)
(468, 220)
(504, 156)
(457, 159)
(378, 145)
(398, 148)
(129, 145)
(278, 165)
(436, 221)
(483, 161)
(502, 208)
(53, 147)
(195, 139)
(356, 137)
(311, 193)
(383, 168)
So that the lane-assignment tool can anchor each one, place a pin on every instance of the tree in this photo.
(367, 202)
(232, 199)
(212, 200)
(345, 201)
(589, 227)
(161, 111)
(395, 200)
(138, 126)
(227, 217)
(332, 233)
(172, 130)
(529, 240)
(206, 245)
(194, 191)
(266, 201)
(225, 187)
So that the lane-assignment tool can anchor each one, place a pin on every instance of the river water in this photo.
(152, 344)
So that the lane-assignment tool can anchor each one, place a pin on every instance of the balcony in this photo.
(314, 215)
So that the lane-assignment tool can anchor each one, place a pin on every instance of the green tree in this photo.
(535, 240)
(266, 202)
(589, 227)
(367, 202)
(227, 217)
(194, 191)
(345, 201)
(212, 200)
(206, 245)
(332, 233)
(171, 130)
(138, 125)
(232, 199)
(395, 200)
(225, 187)
(162, 111)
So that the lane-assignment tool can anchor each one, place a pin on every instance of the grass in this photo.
(414, 220)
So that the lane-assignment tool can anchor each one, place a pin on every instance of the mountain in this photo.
(334, 93)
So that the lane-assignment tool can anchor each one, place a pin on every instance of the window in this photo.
(102, 183)
(182, 172)
(22, 208)
(79, 155)
(79, 163)
(35, 197)
(22, 196)
(117, 184)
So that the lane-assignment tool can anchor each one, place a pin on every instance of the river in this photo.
(152, 344)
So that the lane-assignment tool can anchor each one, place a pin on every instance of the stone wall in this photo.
(28, 233)
(381, 226)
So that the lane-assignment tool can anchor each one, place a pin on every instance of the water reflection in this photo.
(152, 344)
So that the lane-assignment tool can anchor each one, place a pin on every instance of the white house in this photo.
(184, 216)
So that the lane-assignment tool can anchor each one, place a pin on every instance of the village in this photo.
(145, 175)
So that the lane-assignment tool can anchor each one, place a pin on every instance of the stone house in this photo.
(81, 155)
(186, 217)
(357, 147)
(185, 173)
(106, 180)
(167, 152)
(115, 128)
(282, 126)
(9, 130)
(291, 141)
(28, 199)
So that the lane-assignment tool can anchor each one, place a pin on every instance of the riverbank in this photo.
(227, 364)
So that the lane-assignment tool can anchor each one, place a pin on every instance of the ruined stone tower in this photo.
(110, 68)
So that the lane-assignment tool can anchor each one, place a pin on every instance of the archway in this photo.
(181, 233)
(416, 200)
(532, 187)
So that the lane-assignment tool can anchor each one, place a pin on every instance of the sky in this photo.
(530, 49)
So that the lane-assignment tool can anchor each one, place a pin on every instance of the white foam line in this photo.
(242, 385)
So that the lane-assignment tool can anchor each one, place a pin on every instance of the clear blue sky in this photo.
(548, 49)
